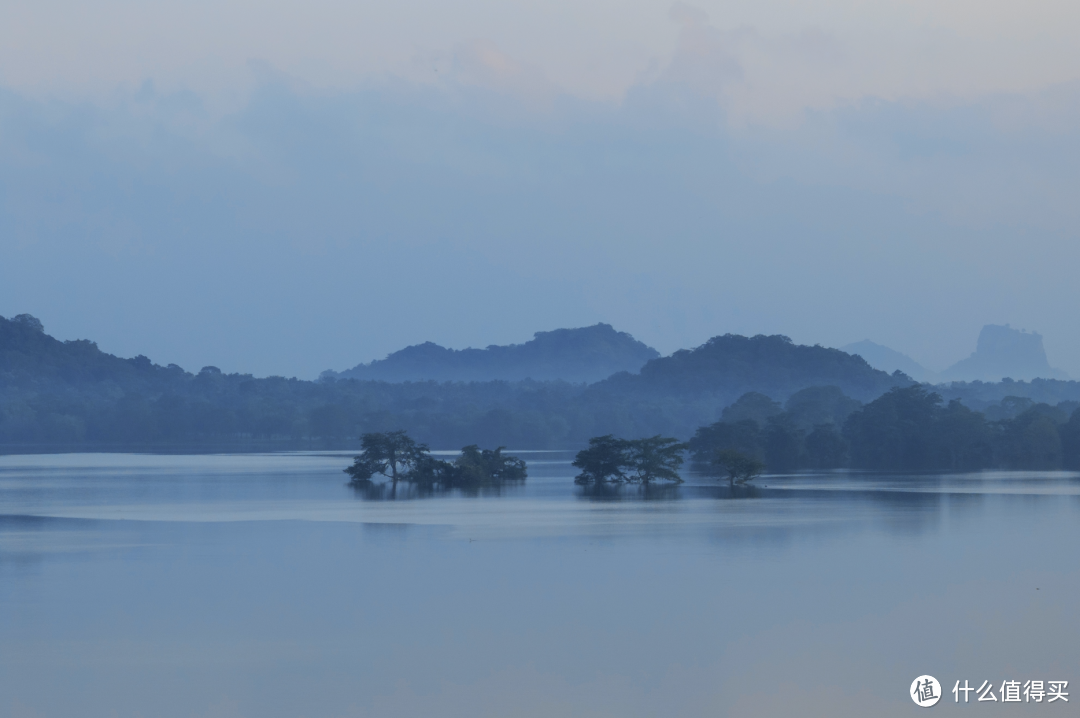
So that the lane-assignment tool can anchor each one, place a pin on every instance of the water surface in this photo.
(260, 585)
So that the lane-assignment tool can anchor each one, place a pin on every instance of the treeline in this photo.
(212, 408)
(837, 411)
(906, 429)
(70, 394)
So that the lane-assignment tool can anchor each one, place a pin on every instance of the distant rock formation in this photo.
(1004, 352)
(587, 354)
(890, 360)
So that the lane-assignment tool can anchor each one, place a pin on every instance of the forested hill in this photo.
(726, 367)
(582, 355)
(30, 358)
(70, 395)
(58, 395)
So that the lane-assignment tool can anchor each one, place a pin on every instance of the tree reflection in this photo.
(389, 491)
(629, 492)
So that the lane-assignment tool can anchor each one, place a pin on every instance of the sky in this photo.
(282, 187)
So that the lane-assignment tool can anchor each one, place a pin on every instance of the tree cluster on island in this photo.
(611, 460)
(395, 456)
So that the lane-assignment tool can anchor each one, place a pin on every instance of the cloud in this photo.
(481, 63)
(703, 60)
(312, 228)
(806, 54)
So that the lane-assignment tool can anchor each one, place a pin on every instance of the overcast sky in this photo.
(286, 187)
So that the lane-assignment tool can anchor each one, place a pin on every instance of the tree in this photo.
(754, 406)
(744, 436)
(1032, 440)
(603, 461)
(329, 421)
(429, 472)
(398, 457)
(654, 458)
(817, 405)
(783, 447)
(391, 454)
(1070, 442)
(362, 470)
(964, 439)
(30, 322)
(825, 447)
(1042, 444)
(477, 467)
(897, 431)
(740, 467)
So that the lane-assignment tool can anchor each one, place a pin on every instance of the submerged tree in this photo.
(740, 467)
(603, 461)
(399, 458)
(391, 454)
(655, 458)
(477, 468)
(612, 460)
(429, 472)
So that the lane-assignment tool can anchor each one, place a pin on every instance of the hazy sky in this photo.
(285, 187)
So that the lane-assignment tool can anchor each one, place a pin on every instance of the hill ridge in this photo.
(581, 355)
(730, 365)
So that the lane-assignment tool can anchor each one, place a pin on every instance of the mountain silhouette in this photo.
(586, 355)
(1004, 352)
(726, 367)
(890, 360)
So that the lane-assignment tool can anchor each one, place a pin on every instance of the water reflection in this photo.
(402, 491)
(255, 586)
(629, 492)
(674, 492)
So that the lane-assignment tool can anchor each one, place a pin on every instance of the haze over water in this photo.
(261, 585)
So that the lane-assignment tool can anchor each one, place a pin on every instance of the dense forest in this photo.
(794, 406)
(906, 429)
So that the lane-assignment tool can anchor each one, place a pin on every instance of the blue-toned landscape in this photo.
(531, 359)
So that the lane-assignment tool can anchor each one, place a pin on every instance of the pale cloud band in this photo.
(770, 58)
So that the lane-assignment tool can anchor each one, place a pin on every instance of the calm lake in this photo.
(262, 586)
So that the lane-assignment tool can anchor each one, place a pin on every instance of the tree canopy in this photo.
(612, 460)
(655, 458)
(398, 457)
(391, 454)
(740, 467)
(603, 461)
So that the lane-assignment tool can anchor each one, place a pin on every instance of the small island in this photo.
(398, 457)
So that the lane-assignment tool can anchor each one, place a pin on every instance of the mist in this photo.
(524, 358)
